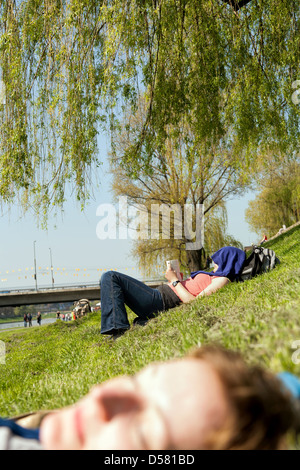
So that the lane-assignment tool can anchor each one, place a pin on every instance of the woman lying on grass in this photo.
(118, 290)
(208, 400)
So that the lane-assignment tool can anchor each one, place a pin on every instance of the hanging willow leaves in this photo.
(71, 66)
(50, 119)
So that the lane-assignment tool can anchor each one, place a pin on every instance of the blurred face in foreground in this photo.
(173, 405)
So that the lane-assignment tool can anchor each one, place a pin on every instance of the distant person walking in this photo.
(39, 318)
(29, 319)
(25, 320)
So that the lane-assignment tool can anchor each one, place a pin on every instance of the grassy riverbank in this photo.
(54, 365)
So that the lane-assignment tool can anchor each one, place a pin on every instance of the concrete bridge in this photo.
(15, 298)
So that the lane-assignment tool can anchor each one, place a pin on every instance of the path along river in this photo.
(13, 325)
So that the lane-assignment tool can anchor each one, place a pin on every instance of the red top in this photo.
(196, 285)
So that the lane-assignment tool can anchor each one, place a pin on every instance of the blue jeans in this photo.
(116, 290)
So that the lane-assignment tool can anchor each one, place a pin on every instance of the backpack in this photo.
(260, 261)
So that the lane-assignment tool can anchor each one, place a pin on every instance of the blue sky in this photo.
(78, 255)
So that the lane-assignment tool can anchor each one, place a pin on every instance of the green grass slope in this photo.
(54, 365)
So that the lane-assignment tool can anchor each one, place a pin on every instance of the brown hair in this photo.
(262, 412)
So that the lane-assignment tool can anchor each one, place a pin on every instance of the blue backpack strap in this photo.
(291, 383)
(19, 430)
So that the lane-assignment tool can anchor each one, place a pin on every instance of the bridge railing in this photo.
(58, 287)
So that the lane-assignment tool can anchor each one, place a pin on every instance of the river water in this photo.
(13, 325)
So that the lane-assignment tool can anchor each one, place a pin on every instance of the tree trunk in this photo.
(237, 4)
(196, 259)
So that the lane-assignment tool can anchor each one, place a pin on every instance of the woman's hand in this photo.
(171, 275)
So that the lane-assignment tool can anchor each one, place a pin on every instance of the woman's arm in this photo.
(181, 291)
(186, 296)
(215, 285)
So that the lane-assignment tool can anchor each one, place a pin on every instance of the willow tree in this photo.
(278, 198)
(181, 197)
(70, 66)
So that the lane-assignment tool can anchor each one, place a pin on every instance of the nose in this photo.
(114, 399)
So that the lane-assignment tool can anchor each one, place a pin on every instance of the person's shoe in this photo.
(116, 333)
(140, 321)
